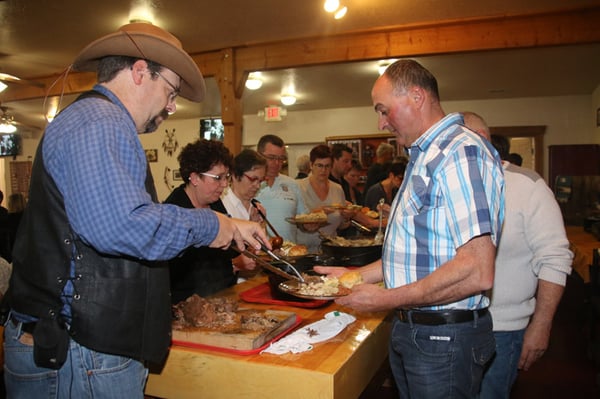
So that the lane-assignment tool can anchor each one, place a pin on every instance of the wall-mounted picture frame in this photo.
(152, 155)
(598, 117)
(176, 174)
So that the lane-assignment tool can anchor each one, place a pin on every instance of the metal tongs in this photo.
(269, 266)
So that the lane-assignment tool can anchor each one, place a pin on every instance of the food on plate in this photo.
(326, 286)
(368, 212)
(356, 242)
(297, 250)
(372, 214)
(350, 279)
(313, 217)
(220, 314)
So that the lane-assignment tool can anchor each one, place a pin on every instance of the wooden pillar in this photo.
(231, 101)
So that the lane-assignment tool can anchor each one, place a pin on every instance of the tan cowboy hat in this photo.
(150, 42)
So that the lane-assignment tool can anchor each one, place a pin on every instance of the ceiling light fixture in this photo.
(7, 122)
(254, 81)
(383, 64)
(288, 99)
(6, 126)
(333, 6)
(339, 14)
(382, 67)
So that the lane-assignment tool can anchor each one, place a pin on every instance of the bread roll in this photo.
(350, 279)
(298, 250)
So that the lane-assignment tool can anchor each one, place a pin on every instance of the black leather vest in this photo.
(120, 305)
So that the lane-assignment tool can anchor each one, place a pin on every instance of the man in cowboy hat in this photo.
(89, 295)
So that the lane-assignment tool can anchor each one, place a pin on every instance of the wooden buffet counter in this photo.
(582, 244)
(339, 368)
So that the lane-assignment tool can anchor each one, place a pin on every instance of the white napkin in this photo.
(322, 330)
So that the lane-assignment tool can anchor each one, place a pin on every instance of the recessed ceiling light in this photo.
(331, 5)
(341, 13)
(288, 99)
(254, 81)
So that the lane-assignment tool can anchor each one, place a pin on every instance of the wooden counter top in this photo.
(339, 368)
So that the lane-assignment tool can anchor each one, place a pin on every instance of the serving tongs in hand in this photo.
(266, 265)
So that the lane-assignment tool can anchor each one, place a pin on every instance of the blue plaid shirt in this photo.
(93, 153)
(453, 191)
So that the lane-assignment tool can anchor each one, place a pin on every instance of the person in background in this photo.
(386, 188)
(377, 171)
(532, 264)
(303, 166)
(318, 192)
(249, 169)
(279, 193)
(515, 159)
(440, 242)
(204, 166)
(89, 276)
(342, 162)
(353, 179)
(3, 210)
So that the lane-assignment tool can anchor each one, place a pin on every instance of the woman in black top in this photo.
(204, 167)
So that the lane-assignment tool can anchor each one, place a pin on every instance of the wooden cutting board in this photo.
(238, 339)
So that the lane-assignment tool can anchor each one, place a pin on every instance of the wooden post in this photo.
(231, 101)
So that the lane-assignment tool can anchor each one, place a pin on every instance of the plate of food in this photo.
(322, 287)
(341, 207)
(319, 218)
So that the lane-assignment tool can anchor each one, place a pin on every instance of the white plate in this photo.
(292, 287)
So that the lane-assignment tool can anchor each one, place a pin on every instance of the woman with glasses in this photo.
(249, 170)
(319, 193)
(204, 167)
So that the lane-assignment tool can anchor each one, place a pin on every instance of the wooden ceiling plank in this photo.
(577, 26)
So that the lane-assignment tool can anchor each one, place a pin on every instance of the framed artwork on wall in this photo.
(152, 155)
(177, 174)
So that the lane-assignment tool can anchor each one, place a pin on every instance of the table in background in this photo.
(339, 368)
(582, 244)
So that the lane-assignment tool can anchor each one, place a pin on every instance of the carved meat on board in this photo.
(220, 323)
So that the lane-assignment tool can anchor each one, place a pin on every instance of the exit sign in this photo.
(272, 114)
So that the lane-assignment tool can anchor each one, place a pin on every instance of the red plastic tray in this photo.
(262, 294)
(239, 351)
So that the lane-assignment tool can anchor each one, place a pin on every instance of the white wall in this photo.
(569, 120)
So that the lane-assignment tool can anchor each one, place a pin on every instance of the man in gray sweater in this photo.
(532, 264)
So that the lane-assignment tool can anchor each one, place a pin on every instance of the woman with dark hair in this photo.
(320, 193)
(204, 167)
(249, 170)
(386, 188)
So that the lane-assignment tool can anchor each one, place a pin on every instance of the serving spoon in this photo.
(277, 241)
(379, 236)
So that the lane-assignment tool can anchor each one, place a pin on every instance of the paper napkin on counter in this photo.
(322, 330)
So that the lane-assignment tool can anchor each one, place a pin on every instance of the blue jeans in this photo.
(85, 374)
(445, 361)
(503, 369)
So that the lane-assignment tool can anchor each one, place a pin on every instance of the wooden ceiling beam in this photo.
(566, 27)
(493, 33)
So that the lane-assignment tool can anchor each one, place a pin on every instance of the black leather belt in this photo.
(25, 327)
(436, 318)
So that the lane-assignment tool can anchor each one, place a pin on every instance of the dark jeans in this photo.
(445, 361)
(503, 369)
